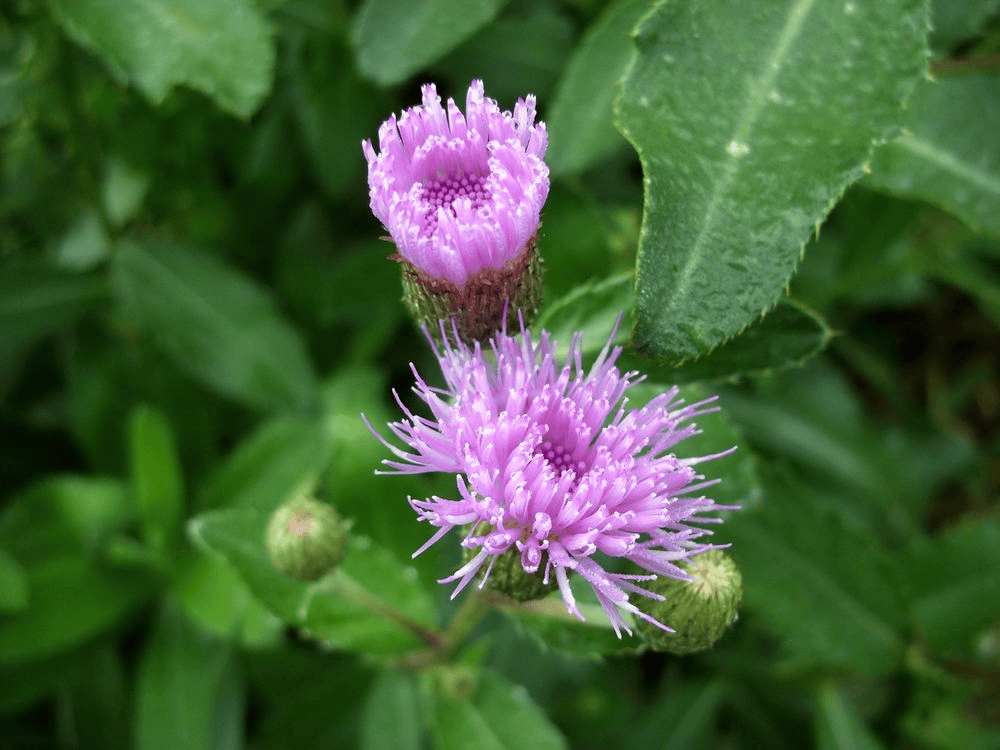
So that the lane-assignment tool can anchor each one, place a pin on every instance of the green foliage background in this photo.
(797, 204)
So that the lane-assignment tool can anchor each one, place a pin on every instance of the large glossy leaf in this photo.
(748, 133)
(950, 153)
(956, 579)
(222, 48)
(830, 590)
(215, 323)
(348, 608)
(186, 685)
(581, 120)
(396, 38)
(482, 711)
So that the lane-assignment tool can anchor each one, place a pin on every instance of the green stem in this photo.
(463, 623)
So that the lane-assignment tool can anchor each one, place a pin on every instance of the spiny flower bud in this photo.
(461, 197)
(306, 539)
(698, 611)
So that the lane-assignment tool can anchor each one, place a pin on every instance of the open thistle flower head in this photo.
(553, 466)
(459, 193)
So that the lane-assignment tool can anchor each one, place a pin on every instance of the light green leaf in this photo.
(949, 155)
(123, 189)
(397, 38)
(371, 603)
(72, 600)
(392, 719)
(84, 245)
(581, 119)
(215, 323)
(482, 711)
(838, 724)
(186, 681)
(956, 579)
(222, 48)
(156, 476)
(748, 134)
(13, 584)
(830, 590)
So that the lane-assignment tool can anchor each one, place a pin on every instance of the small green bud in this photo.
(699, 611)
(509, 577)
(477, 306)
(306, 539)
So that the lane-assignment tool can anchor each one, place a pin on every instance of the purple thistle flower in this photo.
(459, 194)
(556, 466)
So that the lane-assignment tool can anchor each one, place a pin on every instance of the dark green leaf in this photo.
(956, 578)
(954, 21)
(581, 120)
(838, 724)
(186, 679)
(948, 155)
(72, 600)
(101, 703)
(482, 711)
(552, 627)
(392, 718)
(684, 717)
(156, 476)
(396, 38)
(216, 323)
(748, 133)
(832, 593)
(13, 584)
(370, 603)
(222, 48)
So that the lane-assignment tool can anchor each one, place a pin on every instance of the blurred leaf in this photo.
(123, 189)
(101, 703)
(838, 724)
(222, 48)
(396, 38)
(581, 120)
(13, 584)
(347, 609)
(23, 684)
(743, 159)
(185, 680)
(831, 592)
(216, 323)
(392, 718)
(948, 155)
(72, 600)
(156, 476)
(956, 579)
(482, 711)
(683, 718)
(36, 300)
(954, 21)
(84, 245)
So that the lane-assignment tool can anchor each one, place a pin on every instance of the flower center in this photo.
(560, 458)
(442, 192)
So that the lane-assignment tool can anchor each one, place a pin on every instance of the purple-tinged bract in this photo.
(553, 465)
(459, 194)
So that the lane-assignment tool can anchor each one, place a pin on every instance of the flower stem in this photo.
(465, 620)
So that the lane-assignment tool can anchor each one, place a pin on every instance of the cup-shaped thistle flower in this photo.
(698, 610)
(306, 538)
(553, 468)
(461, 197)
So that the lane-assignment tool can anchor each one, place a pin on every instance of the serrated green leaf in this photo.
(493, 715)
(832, 593)
(581, 120)
(956, 580)
(156, 476)
(186, 679)
(396, 38)
(948, 155)
(371, 603)
(72, 600)
(215, 323)
(744, 154)
(13, 584)
(838, 724)
(222, 48)
(392, 718)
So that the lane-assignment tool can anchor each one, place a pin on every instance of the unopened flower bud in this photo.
(698, 611)
(306, 539)
(508, 576)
